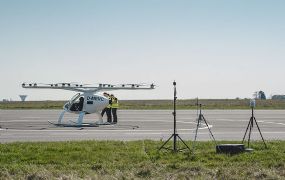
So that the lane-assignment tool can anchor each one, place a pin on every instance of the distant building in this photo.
(259, 95)
(23, 97)
(278, 97)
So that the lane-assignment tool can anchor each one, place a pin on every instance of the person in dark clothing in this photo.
(107, 109)
(114, 106)
(80, 104)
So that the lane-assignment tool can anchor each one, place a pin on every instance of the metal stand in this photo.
(250, 127)
(199, 121)
(175, 136)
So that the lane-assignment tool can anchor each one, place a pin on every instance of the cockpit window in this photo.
(77, 103)
(74, 98)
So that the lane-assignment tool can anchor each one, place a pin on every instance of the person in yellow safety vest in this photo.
(114, 106)
(107, 109)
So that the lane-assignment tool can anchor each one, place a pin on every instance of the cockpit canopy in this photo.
(76, 103)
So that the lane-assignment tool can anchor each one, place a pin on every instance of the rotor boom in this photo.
(89, 88)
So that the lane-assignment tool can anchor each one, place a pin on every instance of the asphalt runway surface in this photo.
(32, 125)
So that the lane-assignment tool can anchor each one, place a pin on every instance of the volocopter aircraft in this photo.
(88, 100)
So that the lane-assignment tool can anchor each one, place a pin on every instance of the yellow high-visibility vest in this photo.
(115, 103)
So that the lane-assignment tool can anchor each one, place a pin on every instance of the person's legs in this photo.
(114, 112)
(103, 112)
(109, 115)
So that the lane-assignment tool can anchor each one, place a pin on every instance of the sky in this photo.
(211, 48)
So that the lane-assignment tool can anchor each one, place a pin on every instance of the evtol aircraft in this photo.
(87, 100)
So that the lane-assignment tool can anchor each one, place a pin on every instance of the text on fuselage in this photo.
(95, 98)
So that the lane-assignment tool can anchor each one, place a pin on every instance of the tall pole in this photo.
(175, 136)
(174, 116)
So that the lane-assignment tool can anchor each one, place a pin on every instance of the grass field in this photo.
(157, 104)
(136, 160)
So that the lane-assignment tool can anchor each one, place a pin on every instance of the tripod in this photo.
(199, 121)
(250, 127)
(175, 136)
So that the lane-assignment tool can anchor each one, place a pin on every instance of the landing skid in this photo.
(74, 125)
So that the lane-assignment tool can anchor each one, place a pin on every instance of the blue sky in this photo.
(213, 49)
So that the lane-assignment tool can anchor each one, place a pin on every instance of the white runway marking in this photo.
(230, 120)
(268, 122)
(205, 133)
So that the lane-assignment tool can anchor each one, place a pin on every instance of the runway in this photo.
(32, 125)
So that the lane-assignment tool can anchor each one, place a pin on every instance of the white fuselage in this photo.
(93, 103)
